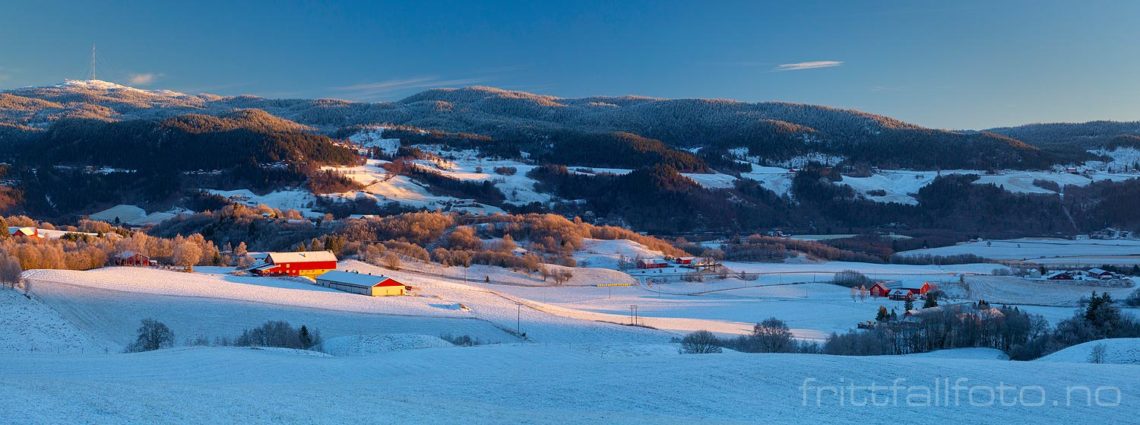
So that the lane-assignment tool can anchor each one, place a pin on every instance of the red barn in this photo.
(308, 264)
(655, 263)
(1063, 275)
(884, 289)
(25, 232)
(917, 288)
(130, 258)
(880, 289)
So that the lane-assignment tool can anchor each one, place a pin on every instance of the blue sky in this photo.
(950, 64)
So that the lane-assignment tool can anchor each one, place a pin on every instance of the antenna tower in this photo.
(92, 61)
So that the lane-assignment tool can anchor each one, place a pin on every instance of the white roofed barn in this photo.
(364, 284)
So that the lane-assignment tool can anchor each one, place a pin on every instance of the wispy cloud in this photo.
(800, 66)
(142, 79)
(388, 88)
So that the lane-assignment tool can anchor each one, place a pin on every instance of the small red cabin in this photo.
(308, 263)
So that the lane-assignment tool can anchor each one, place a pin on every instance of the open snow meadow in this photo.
(544, 350)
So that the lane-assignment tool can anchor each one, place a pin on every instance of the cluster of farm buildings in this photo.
(900, 291)
(1090, 274)
(321, 267)
(685, 262)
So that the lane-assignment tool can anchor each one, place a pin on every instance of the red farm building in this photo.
(652, 263)
(900, 290)
(25, 232)
(308, 264)
(131, 258)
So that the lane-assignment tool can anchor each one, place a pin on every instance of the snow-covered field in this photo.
(607, 253)
(1116, 351)
(1015, 290)
(577, 363)
(544, 383)
(289, 199)
(28, 325)
(208, 305)
(1046, 250)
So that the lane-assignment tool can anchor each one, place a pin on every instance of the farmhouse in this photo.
(685, 261)
(25, 232)
(900, 290)
(307, 263)
(1059, 275)
(131, 258)
(652, 263)
(880, 289)
(364, 284)
(1098, 273)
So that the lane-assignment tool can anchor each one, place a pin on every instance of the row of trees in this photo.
(1021, 335)
(155, 335)
(84, 251)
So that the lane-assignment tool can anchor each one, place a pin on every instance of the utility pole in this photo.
(518, 318)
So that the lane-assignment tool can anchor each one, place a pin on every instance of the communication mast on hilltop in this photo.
(92, 61)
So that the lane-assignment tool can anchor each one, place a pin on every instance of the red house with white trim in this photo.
(307, 263)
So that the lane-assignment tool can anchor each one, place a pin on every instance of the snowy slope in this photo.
(964, 353)
(110, 302)
(382, 187)
(533, 383)
(28, 325)
(467, 165)
(1117, 351)
(289, 199)
(374, 138)
(1092, 251)
(607, 253)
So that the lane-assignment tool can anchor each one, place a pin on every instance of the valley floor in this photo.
(384, 360)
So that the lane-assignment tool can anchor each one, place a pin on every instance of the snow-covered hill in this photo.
(61, 349)
(547, 383)
(1116, 351)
